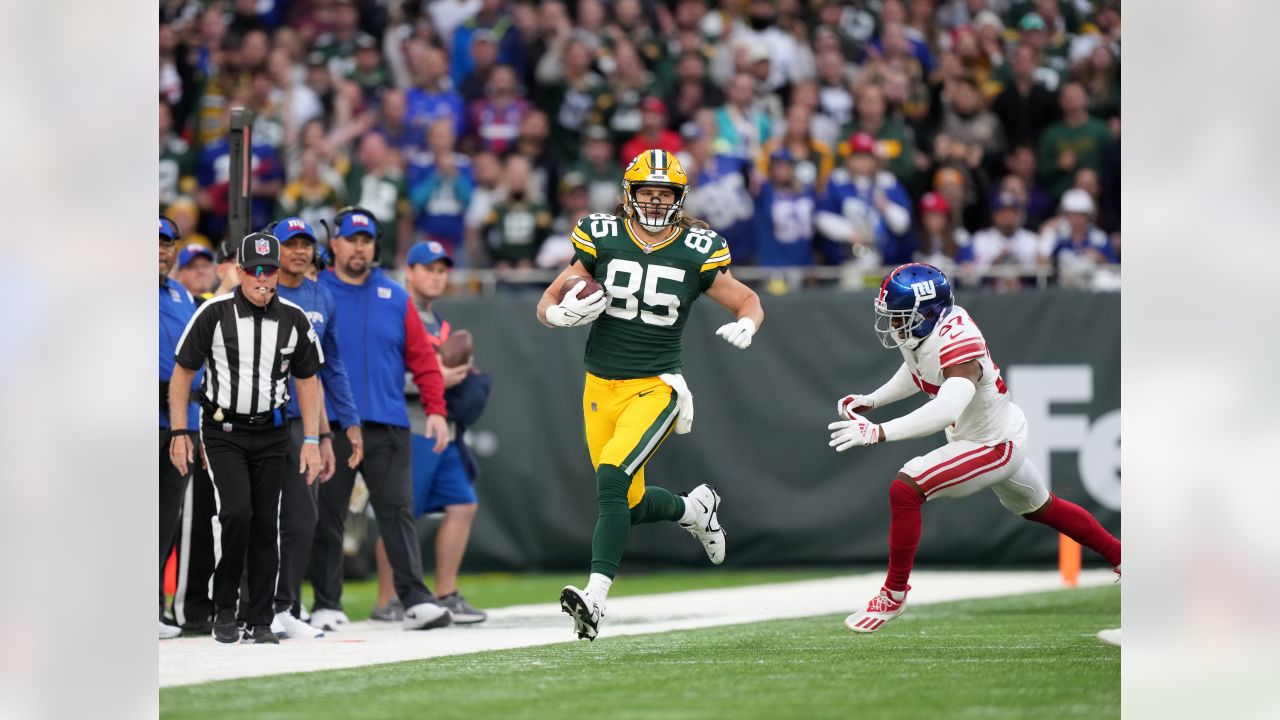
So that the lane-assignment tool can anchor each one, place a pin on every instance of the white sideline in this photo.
(187, 661)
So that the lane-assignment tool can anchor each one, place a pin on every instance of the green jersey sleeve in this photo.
(587, 233)
(716, 262)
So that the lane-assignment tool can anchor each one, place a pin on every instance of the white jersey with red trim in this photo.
(991, 417)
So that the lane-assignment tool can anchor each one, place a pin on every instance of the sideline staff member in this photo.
(249, 341)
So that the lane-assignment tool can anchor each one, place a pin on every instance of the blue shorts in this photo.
(438, 480)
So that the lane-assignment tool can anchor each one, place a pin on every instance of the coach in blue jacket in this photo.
(380, 335)
(298, 507)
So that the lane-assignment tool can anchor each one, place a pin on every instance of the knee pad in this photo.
(904, 495)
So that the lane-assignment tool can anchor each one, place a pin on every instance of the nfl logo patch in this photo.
(261, 246)
(226, 427)
(593, 407)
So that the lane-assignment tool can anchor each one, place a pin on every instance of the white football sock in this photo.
(690, 511)
(897, 595)
(598, 587)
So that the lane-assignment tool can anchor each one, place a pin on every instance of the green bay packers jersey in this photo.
(650, 287)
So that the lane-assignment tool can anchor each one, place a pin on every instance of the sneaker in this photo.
(259, 635)
(168, 632)
(461, 610)
(198, 627)
(880, 610)
(584, 610)
(225, 628)
(706, 526)
(393, 611)
(425, 616)
(326, 619)
(288, 627)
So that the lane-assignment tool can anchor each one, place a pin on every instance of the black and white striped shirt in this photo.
(249, 351)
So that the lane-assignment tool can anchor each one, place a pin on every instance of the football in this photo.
(573, 280)
(456, 349)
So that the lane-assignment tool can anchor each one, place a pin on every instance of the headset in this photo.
(317, 257)
(377, 227)
(177, 231)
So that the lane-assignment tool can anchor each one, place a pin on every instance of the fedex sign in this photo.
(1096, 443)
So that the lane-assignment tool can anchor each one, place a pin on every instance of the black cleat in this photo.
(225, 629)
(259, 635)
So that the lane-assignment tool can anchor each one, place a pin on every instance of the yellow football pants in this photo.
(626, 421)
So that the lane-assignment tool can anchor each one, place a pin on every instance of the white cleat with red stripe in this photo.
(880, 610)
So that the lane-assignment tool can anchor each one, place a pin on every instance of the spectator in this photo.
(720, 190)
(599, 166)
(534, 145)
(557, 251)
(895, 143)
(432, 97)
(487, 191)
(653, 133)
(851, 25)
(1024, 106)
(309, 195)
(494, 18)
(965, 120)
(942, 244)
(392, 123)
(368, 72)
(629, 84)
(951, 185)
(1100, 75)
(835, 100)
(195, 271)
(443, 482)
(376, 184)
(570, 101)
(441, 189)
(1052, 49)
(1021, 163)
(1006, 243)
(693, 90)
(866, 207)
(812, 160)
(496, 118)
(186, 215)
(484, 58)
(784, 215)
(1078, 141)
(741, 126)
(1077, 245)
(775, 45)
(519, 221)
(338, 47)
(175, 160)
(299, 103)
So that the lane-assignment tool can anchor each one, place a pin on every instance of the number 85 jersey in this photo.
(650, 288)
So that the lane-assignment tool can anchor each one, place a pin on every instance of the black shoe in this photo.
(225, 629)
(259, 635)
(197, 627)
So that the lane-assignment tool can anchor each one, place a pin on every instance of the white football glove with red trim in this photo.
(853, 432)
(851, 405)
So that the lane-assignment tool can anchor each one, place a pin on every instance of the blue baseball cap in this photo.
(354, 223)
(191, 252)
(427, 252)
(168, 229)
(1004, 201)
(781, 153)
(292, 227)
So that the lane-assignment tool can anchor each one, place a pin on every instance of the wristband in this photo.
(325, 435)
(175, 433)
(310, 440)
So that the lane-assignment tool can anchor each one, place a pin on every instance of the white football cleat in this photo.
(706, 525)
(169, 632)
(584, 610)
(425, 616)
(880, 610)
(1110, 636)
(326, 619)
(285, 625)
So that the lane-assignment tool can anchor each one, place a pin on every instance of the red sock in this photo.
(904, 532)
(1076, 523)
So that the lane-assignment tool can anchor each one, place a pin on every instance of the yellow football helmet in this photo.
(650, 168)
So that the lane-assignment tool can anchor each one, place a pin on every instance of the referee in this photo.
(249, 341)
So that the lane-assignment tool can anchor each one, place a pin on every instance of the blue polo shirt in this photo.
(176, 308)
(317, 302)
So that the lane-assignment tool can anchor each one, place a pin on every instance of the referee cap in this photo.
(259, 249)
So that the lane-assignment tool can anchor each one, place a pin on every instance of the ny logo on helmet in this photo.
(924, 290)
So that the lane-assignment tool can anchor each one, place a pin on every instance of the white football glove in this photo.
(573, 310)
(850, 406)
(853, 432)
(684, 401)
(738, 334)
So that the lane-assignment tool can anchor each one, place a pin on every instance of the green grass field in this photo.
(491, 590)
(1029, 656)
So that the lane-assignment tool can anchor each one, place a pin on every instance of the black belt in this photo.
(216, 414)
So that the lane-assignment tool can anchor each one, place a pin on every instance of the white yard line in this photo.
(187, 661)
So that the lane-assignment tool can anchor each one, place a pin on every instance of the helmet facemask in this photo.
(900, 335)
(654, 216)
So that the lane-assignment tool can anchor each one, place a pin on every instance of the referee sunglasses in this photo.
(259, 271)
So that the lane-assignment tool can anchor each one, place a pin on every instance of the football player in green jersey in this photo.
(653, 262)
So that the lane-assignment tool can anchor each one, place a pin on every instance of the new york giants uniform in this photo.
(986, 445)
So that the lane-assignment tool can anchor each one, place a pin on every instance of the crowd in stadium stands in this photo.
(964, 133)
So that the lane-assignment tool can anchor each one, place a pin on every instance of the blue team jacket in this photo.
(176, 308)
(317, 302)
(381, 336)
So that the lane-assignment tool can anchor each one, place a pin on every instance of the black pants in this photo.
(247, 466)
(192, 603)
(172, 487)
(388, 472)
(297, 524)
